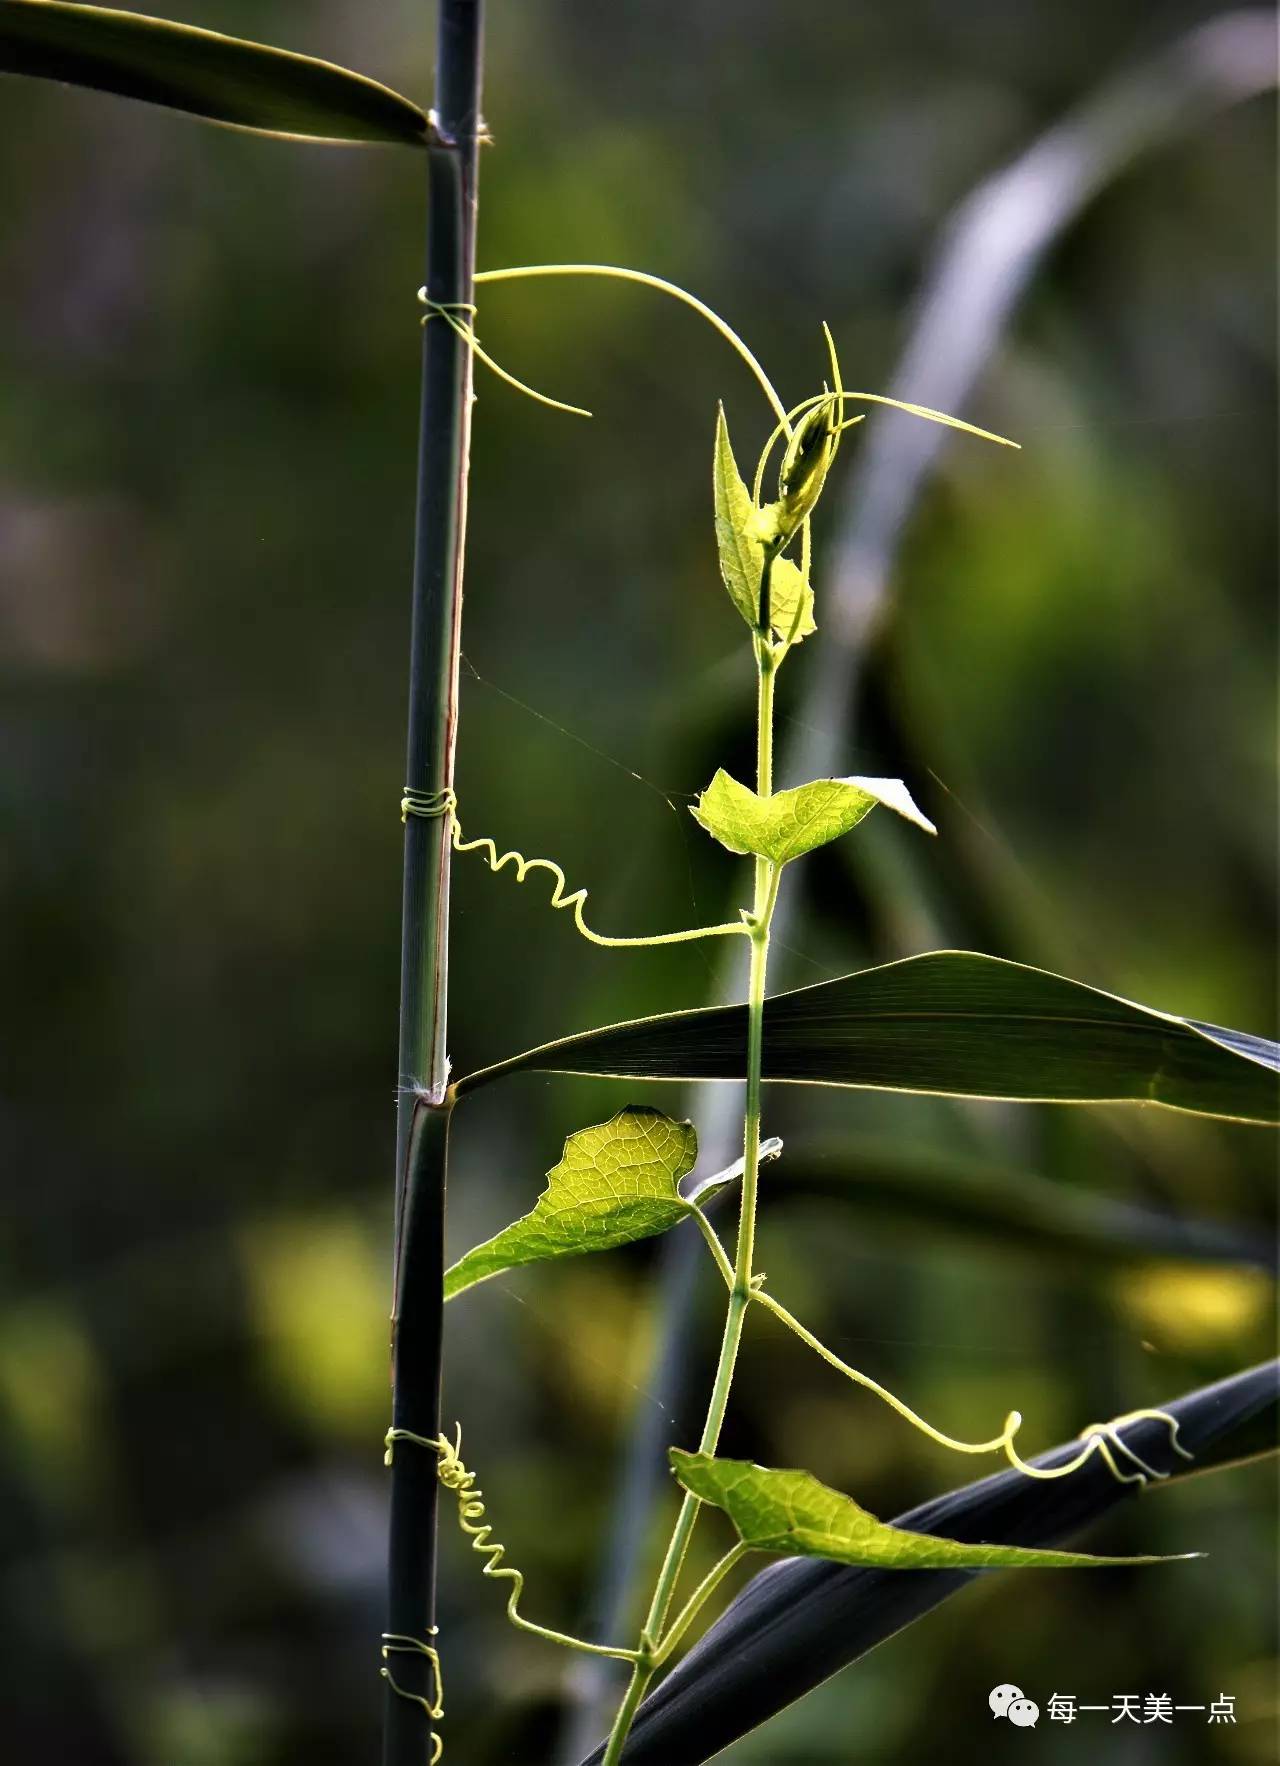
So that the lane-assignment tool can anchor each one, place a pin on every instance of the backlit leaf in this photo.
(741, 556)
(223, 79)
(738, 540)
(953, 1024)
(790, 823)
(615, 1183)
(794, 1513)
(788, 589)
(707, 1188)
(801, 1620)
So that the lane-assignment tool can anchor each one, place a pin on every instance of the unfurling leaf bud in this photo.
(806, 462)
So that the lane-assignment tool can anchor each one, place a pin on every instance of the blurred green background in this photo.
(208, 363)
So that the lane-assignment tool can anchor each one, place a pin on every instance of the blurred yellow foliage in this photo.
(1183, 1310)
(320, 1293)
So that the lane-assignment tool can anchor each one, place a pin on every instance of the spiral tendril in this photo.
(455, 1476)
(432, 804)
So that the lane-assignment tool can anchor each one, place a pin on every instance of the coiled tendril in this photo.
(430, 804)
(455, 1476)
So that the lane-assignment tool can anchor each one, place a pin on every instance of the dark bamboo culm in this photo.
(422, 1116)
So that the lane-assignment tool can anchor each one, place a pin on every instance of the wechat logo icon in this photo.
(1009, 1701)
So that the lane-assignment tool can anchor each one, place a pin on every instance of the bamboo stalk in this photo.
(422, 1114)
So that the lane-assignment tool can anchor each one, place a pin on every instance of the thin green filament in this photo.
(432, 1704)
(449, 311)
(575, 900)
(433, 804)
(1102, 1440)
(427, 804)
(617, 273)
(455, 1476)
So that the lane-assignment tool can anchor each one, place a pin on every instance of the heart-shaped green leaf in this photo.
(791, 823)
(739, 541)
(615, 1183)
(794, 1513)
(224, 79)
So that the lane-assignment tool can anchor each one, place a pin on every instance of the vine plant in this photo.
(906, 1026)
(621, 1180)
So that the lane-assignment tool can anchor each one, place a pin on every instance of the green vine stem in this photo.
(651, 1651)
(422, 1125)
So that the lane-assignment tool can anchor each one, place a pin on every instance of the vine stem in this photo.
(651, 1651)
(422, 1123)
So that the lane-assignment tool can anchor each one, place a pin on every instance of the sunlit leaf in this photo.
(793, 1512)
(790, 823)
(799, 1621)
(740, 551)
(738, 540)
(789, 590)
(952, 1023)
(615, 1183)
(223, 79)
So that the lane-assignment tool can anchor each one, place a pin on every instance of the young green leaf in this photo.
(741, 555)
(793, 1513)
(789, 593)
(791, 823)
(224, 79)
(739, 541)
(708, 1188)
(806, 463)
(616, 1182)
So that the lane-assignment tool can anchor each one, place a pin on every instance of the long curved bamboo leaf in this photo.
(800, 1621)
(933, 1191)
(223, 79)
(954, 1023)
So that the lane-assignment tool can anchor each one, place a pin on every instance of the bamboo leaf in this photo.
(615, 1183)
(788, 824)
(793, 1512)
(952, 1023)
(802, 1620)
(738, 540)
(227, 80)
